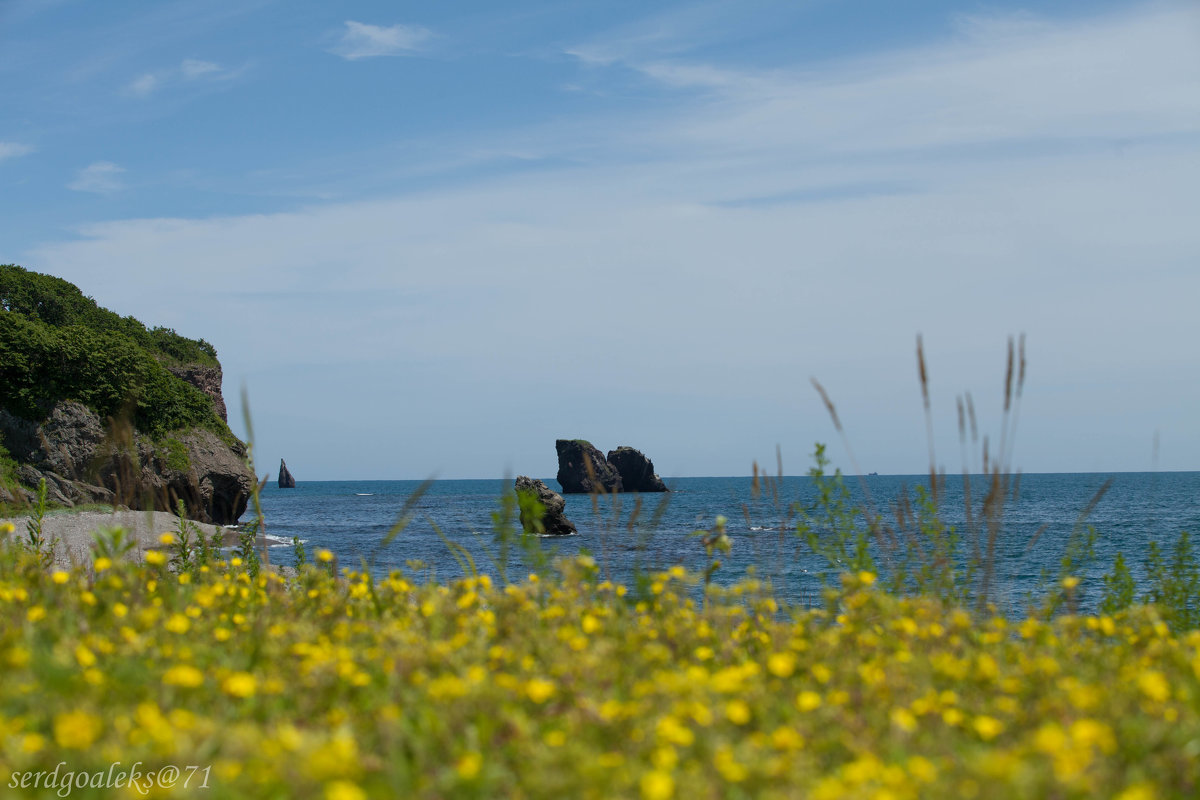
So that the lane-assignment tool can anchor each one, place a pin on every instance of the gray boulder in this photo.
(555, 521)
(84, 461)
(636, 471)
(582, 469)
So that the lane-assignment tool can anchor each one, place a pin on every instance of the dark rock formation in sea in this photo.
(555, 521)
(206, 379)
(286, 481)
(82, 461)
(636, 471)
(582, 468)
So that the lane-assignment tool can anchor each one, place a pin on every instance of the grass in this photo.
(567, 685)
(899, 680)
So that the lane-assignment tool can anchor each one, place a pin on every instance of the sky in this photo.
(432, 238)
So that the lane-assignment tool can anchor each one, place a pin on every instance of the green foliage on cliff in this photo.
(56, 344)
(60, 304)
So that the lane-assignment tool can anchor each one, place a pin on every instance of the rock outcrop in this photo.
(554, 522)
(582, 468)
(636, 471)
(84, 461)
(286, 481)
(207, 380)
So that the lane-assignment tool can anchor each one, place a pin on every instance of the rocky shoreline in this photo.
(75, 531)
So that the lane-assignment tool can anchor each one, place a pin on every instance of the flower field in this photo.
(566, 685)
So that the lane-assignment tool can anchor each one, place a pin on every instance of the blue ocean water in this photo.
(352, 517)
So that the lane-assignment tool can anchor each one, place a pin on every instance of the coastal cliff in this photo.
(107, 410)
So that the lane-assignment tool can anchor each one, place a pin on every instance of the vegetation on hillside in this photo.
(56, 344)
(563, 684)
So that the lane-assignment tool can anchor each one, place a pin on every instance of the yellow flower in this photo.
(1138, 791)
(32, 743)
(76, 730)
(987, 727)
(35, 613)
(6, 528)
(1153, 684)
(737, 711)
(178, 623)
(102, 564)
(183, 675)
(1070, 582)
(84, 656)
(539, 690)
(325, 555)
(155, 558)
(657, 785)
(781, 665)
(240, 684)
(903, 719)
(344, 790)
(167, 538)
(808, 700)
(469, 765)
(60, 577)
(866, 578)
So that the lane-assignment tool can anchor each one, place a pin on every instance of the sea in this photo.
(628, 533)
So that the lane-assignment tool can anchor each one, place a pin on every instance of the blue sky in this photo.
(432, 238)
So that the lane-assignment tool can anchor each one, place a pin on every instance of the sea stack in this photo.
(636, 471)
(286, 481)
(554, 522)
(582, 468)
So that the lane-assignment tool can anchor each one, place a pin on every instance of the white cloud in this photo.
(713, 255)
(102, 177)
(189, 70)
(193, 68)
(14, 150)
(361, 40)
(144, 85)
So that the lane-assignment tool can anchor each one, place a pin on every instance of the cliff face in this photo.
(105, 409)
(206, 379)
(84, 461)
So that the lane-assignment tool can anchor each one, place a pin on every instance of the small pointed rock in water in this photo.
(286, 481)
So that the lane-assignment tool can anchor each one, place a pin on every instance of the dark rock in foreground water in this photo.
(636, 471)
(554, 522)
(582, 468)
(286, 481)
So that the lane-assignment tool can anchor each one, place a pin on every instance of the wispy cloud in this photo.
(193, 68)
(144, 85)
(189, 70)
(102, 177)
(1020, 175)
(14, 150)
(361, 40)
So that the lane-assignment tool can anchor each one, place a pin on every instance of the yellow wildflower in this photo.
(76, 730)
(657, 785)
(344, 790)
(469, 765)
(60, 577)
(240, 684)
(781, 665)
(155, 558)
(183, 675)
(539, 690)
